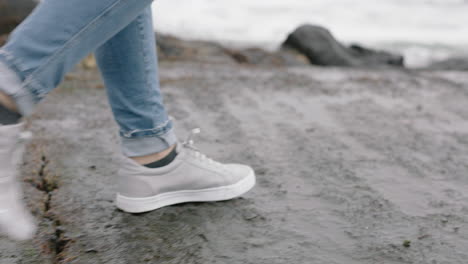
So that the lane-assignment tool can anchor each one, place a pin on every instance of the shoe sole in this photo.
(140, 205)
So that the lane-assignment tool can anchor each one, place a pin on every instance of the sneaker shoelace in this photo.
(189, 146)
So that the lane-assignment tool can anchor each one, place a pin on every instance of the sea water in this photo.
(422, 30)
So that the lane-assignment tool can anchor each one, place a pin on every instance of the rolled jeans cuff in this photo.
(142, 146)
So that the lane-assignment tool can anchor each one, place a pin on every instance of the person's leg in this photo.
(128, 63)
(190, 177)
(129, 66)
(56, 36)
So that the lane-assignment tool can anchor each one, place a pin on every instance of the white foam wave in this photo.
(266, 23)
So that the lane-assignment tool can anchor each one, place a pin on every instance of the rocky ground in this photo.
(354, 166)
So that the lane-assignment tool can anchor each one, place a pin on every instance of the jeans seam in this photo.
(144, 50)
(32, 77)
(160, 134)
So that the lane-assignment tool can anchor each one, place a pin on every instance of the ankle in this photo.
(143, 160)
(8, 102)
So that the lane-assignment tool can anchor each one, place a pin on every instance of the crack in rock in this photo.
(48, 184)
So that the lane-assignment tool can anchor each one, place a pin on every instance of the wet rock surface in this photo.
(175, 49)
(321, 47)
(353, 166)
(451, 64)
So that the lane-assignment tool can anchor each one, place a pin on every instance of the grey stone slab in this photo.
(354, 166)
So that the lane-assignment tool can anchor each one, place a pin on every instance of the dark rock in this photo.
(321, 48)
(376, 57)
(12, 12)
(451, 64)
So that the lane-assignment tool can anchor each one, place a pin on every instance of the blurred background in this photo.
(422, 30)
(358, 166)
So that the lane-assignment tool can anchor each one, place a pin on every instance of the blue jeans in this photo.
(59, 34)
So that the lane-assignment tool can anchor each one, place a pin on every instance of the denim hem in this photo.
(152, 132)
(142, 146)
(36, 89)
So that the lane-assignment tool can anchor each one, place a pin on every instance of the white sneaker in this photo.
(191, 177)
(15, 220)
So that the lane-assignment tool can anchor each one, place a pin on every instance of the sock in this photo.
(164, 161)
(8, 117)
